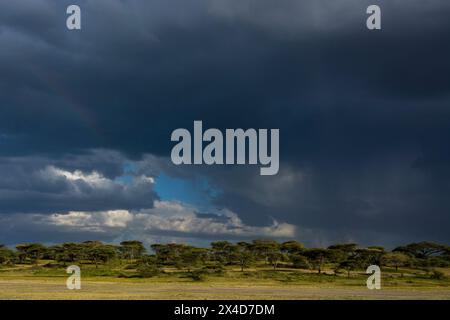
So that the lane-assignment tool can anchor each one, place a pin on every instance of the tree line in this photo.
(242, 255)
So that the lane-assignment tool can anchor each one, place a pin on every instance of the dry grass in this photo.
(112, 288)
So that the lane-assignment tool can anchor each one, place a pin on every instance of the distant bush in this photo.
(146, 271)
(197, 275)
(436, 274)
(51, 265)
(129, 275)
(438, 262)
(431, 262)
(300, 262)
(213, 269)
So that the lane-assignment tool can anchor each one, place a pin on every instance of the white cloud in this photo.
(168, 217)
(93, 179)
(98, 220)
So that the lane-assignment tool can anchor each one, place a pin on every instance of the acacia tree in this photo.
(242, 253)
(31, 251)
(161, 253)
(97, 252)
(317, 257)
(265, 248)
(190, 257)
(67, 252)
(6, 255)
(292, 247)
(132, 249)
(422, 250)
(168, 253)
(349, 265)
(275, 257)
(339, 253)
(373, 255)
(395, 259)
(446, 254)
(349, 257)
(222, 251)
(299, 261)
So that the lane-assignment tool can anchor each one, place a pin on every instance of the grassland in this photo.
(117, 282)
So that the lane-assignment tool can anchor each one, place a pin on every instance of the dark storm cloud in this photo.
(131, 72)
(39, 185)
(364, 116)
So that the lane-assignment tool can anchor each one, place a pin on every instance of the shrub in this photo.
(436, 274)
(213, 269)
(146, 271)
(197, 275)
(129, 276)
(300, 262)
(51, 265)
(438, 262)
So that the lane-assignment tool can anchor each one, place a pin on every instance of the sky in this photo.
(86, 118)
